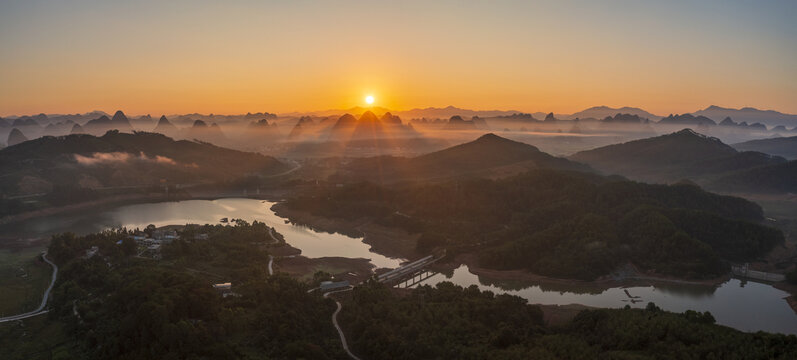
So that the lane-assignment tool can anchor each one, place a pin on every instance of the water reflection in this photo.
(746, 306)
(751, 307)
(313, 244)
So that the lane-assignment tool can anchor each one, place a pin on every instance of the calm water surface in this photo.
(312, 243)
(746, 306)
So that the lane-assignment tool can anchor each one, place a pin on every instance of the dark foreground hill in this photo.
(564, 224)
(488, 156)
(122, 159)
(669, 158)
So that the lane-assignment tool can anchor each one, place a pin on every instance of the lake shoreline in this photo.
(603, 282)
(390, 242)
(116, 200)
(384, 245)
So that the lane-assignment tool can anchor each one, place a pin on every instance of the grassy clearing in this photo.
(35, 338)
(23, 279)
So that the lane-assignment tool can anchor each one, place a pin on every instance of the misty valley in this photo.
(172, 244)
(407, 180)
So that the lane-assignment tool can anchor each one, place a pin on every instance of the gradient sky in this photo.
(280, 56)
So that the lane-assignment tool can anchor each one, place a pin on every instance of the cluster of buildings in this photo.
(151, 246)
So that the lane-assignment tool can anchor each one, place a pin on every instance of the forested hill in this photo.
(773, 179)
(780, 146)
(565, 224)
(122, 159)
(668, 158)
(488, 156)
(449, 322)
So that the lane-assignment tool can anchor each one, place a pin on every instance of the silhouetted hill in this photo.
(200, 130)
(449, 111)
(142, 122)
(687, 119)
(346, 121)
(624, 119)
(165, 127)
(750, 115)
(123, 159)
(458, 123)
(488, 156)
(301, 127)
(104, 124)
(27, 121)
(783, 146)
(77, 129)
(671, 157)
(16, 137)
(389, 118)
(600, 112)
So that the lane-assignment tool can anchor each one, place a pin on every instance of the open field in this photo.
(23, 278)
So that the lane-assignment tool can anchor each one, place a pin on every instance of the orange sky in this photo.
(248, 56)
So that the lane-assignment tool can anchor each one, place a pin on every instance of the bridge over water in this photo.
(410, 274)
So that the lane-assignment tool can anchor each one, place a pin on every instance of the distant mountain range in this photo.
(488, 156)
(781, 146)
(600, 112)
(749, 115)
(683, 155)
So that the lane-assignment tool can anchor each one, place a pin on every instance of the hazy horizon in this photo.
(377, 109)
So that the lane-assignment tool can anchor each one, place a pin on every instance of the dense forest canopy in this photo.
(117, 305)
(564, 224)
(451, 322)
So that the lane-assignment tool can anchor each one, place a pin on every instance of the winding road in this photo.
(337, 326)
(40, 310)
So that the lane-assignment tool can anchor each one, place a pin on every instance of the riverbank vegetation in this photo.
(451, 322)
(563, 224)
(115, 304)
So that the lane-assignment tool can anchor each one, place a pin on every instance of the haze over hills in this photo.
(600, 112)
(778, 178)
(122, 159)
(780, 146)
(15, 137)
(103, 124)
(688, 120)
(749, 115)
(488, 156)
(685, 154)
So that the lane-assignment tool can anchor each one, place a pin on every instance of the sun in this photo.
(369, 99)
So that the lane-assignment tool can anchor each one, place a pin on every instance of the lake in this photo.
(747, 306)
(313, 244)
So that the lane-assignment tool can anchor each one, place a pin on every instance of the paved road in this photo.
(40, 310)
(297, 167)
(337, 326)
